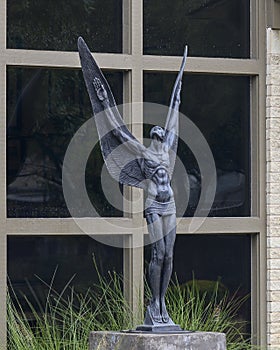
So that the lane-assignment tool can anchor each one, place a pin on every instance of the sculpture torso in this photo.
(155, 168)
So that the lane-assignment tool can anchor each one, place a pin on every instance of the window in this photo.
(53, 261)
(219, 106)
(210, 28)
(223, 94)
(45, 107)
(59, 24)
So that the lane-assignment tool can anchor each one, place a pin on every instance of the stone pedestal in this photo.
(152, 341)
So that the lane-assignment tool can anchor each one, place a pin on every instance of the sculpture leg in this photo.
(156, 264)
(169, 225)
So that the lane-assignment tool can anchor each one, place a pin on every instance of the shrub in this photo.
(68, 317)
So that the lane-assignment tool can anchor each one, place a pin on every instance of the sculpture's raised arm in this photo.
(117, 130)
(171, 125)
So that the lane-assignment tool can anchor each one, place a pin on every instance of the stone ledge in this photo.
(147, 341)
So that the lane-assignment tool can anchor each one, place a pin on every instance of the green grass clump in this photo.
(66, 319)
(196, 309)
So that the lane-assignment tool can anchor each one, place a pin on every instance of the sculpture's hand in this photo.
(100, 90)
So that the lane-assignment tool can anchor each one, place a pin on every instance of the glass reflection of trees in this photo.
(35, 262)
(220, 108)
(56, 25)
(213, 28)
(45, 107)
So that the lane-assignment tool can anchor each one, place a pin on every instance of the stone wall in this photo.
(273, 187)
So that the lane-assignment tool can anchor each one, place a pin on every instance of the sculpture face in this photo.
(157, 131)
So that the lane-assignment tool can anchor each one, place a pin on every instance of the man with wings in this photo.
(151, 168)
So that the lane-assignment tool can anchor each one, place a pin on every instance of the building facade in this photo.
(272, 184)
(231, 92)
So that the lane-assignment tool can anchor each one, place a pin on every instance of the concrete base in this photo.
(148, 341)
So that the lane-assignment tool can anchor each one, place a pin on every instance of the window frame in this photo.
(133, 63)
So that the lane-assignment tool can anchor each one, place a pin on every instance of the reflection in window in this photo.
(219, 106)
(213, 28)
(56, 25)
(45, 107)
(32, 260)
(211, 258)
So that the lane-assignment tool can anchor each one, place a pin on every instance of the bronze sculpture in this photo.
(151, 168)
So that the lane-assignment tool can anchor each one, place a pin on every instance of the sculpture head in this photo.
(158, 132)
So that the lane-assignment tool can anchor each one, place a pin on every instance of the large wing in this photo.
(122, 161)
(172, 120)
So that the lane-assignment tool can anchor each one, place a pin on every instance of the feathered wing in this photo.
(172, 120)
(120, 157)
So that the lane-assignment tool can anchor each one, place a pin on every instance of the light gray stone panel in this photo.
(144, 341)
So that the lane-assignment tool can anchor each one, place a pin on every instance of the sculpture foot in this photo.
(155, 312)
(157, 325)
(164, 313)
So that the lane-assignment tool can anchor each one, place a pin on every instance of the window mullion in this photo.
(207, 65)
(126, 26)
(3, 246)
(133, 257)
(137, 27)
(3, 287)
(63, 59)
(218, 225)
(3, 25)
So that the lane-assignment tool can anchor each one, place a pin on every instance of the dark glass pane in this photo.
(56, 25)
(32, 260)
(213, 28)
(45, 107)
(220, 107)
(210, 258)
